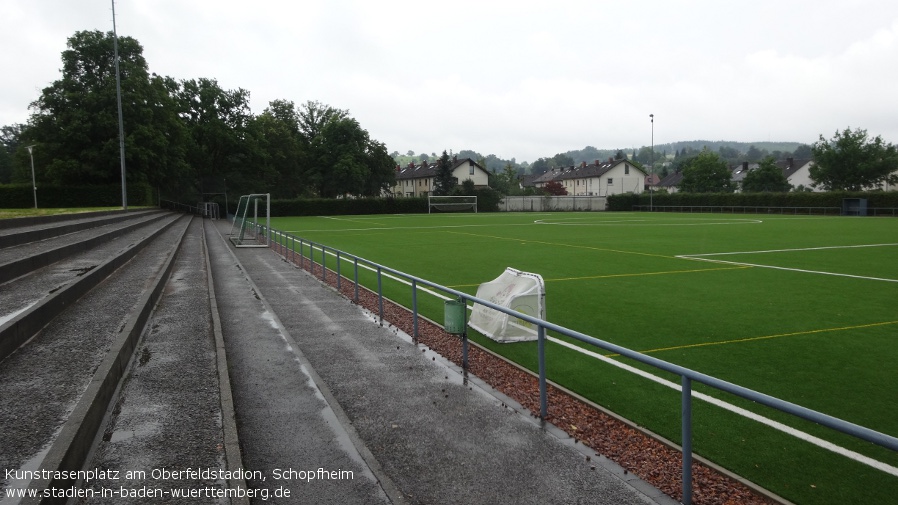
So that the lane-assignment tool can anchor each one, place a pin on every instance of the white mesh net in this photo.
(519, 291)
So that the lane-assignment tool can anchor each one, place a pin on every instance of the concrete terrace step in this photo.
(23, 234)
(55, 389)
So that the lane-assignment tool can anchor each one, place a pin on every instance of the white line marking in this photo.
(790, 250)
(800, 270)
(706, 257)
(879, 465)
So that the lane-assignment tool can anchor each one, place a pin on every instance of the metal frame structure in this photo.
(472, 201)
(260, 230)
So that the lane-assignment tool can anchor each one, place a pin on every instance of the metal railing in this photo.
(687, 376)
(741, 209)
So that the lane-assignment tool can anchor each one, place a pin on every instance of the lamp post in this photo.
(33, 184)
(652, 168)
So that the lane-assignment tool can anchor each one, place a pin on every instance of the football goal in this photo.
(252, 221)
(519, 291)
(451, 204)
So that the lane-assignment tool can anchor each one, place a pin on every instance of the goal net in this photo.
(519, 291)
(252, 221)
(451, 204)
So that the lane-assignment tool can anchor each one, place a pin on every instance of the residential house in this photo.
(671, 183)
(601, 178)
(418, 180)
(798, 172)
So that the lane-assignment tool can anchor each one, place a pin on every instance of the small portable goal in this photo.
(252, 221)
(451, 204)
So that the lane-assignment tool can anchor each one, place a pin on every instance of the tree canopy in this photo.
(766, 178)
(443, 182)
(852, 161)
(706, 173)
(187, 138)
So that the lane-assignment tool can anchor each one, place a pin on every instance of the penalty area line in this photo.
(789, 269)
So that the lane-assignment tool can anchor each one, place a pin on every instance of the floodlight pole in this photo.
(652, 168)
(118, 91)
(33, 184)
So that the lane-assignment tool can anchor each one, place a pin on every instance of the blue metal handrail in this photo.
(687, 376)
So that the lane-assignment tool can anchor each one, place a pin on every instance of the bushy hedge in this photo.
(21, 196)
(875, 199)
(345, 206)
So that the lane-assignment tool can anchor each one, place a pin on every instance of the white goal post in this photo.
(523, 292)
(252, 221)
(451, 203)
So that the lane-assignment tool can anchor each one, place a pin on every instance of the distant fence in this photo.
(291, 246)
(741, 209)
(759, 209)
(552, 203)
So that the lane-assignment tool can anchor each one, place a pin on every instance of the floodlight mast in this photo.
(652, 167)
(118, 91)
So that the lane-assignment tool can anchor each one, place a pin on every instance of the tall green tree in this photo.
(313, 116)
(852, 161)
(276, 149)
(10, 141)
(217, 121)
(443, 182)
(75, 120)
(706, 173)
(344, 160)
(766, 178)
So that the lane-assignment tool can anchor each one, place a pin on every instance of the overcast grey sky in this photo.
(518, 78)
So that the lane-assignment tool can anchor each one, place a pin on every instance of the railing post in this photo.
(302, 255)
(464, 336)
(323, 266)
(541, 351)
(414, 310)
(355, 262)
(380, 295)
(312, 258)
(687, 438)
(338, 270)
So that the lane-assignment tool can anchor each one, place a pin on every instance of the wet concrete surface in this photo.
(42, 381)
(423, 430)
(288, 430)
(168, 413)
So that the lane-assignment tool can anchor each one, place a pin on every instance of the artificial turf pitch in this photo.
(803, 308)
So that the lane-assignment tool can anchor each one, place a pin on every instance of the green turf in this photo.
(826, 342)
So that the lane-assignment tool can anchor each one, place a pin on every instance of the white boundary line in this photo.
(807, 437)
(790, 250)
(706, 257)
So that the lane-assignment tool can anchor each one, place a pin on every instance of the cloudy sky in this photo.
(516, 78)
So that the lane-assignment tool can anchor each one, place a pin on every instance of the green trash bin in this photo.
(454, 320)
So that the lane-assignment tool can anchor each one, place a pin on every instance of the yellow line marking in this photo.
(765, 337)
(609, 276)
(563, 245)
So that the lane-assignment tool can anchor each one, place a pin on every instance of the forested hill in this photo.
(732, 152)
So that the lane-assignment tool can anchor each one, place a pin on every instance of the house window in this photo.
(611, 181)
(471, 170)
(626, 169)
